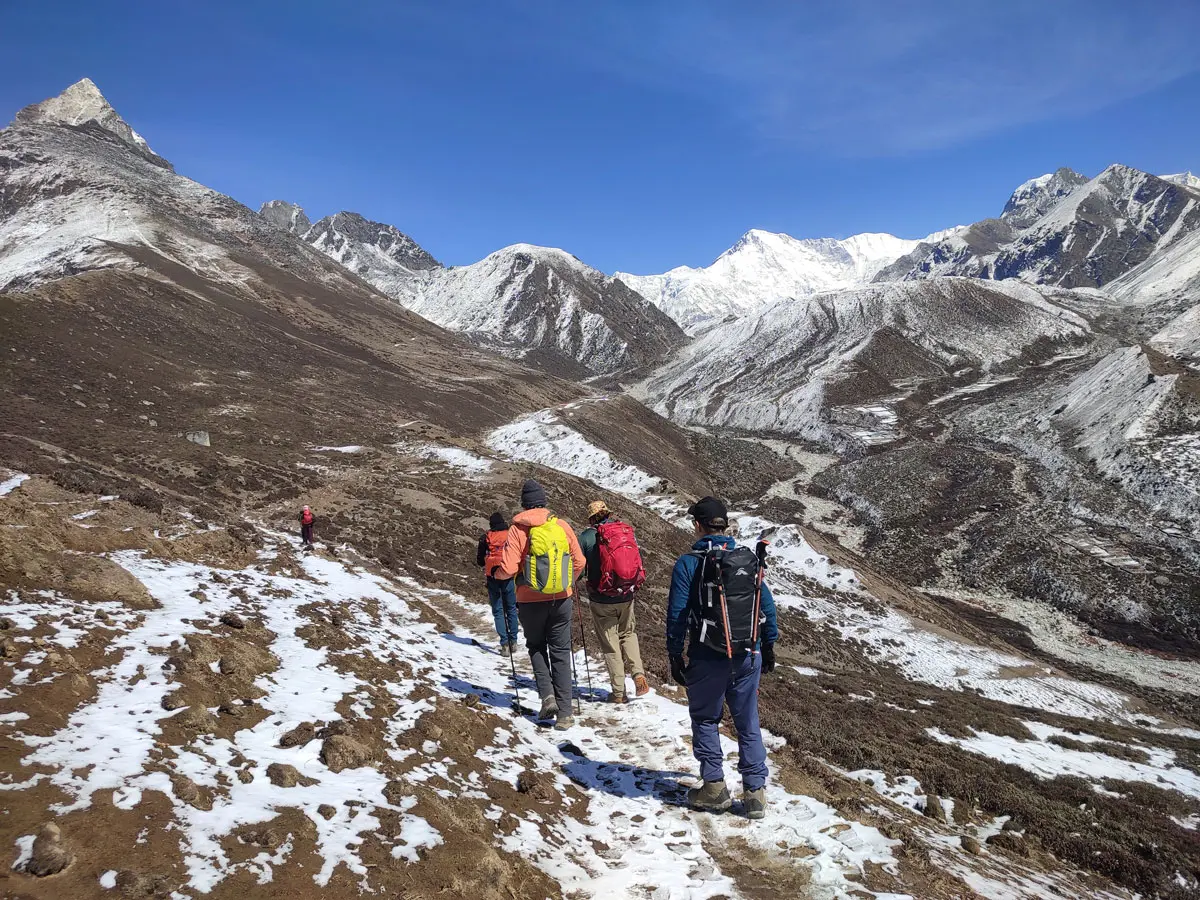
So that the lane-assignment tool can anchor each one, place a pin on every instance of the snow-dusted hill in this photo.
(80, 190)
(523, 301)
(1057, 231)
(763, 267)
(774, 371)
(544, 304)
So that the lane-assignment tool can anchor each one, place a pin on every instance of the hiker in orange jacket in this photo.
(545, 617)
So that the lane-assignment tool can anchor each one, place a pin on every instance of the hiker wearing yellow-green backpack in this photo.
(543, 554)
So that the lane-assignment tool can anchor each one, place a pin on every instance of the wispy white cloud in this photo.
(882, 77)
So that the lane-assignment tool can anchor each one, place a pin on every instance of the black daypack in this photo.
(725, 613)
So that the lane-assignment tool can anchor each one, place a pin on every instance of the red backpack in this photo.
(495, 550)
(621, 569)
(306, 517)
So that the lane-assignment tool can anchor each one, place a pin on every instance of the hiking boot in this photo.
(549, 710)
(506, 649)
(564, 722)
(641, 687)
(755, 803)
(712, 796)
(617, 697)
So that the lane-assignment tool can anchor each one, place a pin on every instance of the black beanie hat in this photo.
(497, 522)
(710, 512)
(533, 495)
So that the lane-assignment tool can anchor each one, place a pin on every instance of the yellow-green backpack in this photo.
(549, 568)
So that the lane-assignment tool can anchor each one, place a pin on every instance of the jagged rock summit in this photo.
(81, 105)
(287, 216)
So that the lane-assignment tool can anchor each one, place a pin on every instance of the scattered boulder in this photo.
(299, 736)
(340, 751)
(933, 807)
(262, 837)
(1010, 841)
(8, 650)
(337, 726)
(233, 710)
(185, 789)
(7, 624)
(472, 700)
(537, 785)
(199, 437)
(283, 775)
(197, 719)
(233, 620)
(172, 702)
(326, 811)
(245, 776)
(50, 856)
(140, 886)
(228, 666)
(971, 845)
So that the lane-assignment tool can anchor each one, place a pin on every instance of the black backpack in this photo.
(724, 613)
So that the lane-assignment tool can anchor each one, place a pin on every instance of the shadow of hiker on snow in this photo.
(624, 780)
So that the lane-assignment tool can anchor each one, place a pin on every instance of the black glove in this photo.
(768, 658)
(679, 670)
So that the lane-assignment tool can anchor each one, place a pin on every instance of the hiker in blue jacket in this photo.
(730, 675)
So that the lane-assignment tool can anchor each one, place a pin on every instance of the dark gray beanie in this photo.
(497, 522)
(533, 495)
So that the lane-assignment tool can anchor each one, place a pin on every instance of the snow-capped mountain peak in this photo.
(1186, 179)
(82, 104)
(1037, 196)
(761, 268)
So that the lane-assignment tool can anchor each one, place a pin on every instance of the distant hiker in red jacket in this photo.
(614, 573)
(306, 527)
(501, 592)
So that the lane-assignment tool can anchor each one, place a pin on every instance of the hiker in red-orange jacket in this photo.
(501, 593)
(307, 519)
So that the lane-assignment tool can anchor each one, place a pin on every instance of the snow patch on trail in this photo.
(10, 484)
(631, 765)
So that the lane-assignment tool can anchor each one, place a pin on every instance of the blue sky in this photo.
(637, 134)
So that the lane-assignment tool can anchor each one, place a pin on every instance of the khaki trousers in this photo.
(615, 629)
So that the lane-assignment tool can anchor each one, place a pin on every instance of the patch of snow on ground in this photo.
(349, 448)
(11, 483)
(463, 460)
(1047, 760)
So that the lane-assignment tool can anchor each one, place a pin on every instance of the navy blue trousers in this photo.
(503, 597)
(713, 682)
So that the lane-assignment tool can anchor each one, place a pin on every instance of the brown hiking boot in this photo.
(755, 803)
(641, 687)
(712, 796)
(617, 697)
(549, 710)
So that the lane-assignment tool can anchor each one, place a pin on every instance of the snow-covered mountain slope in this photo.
(380, 254)
(1136, 415)
(1034, 198)
(781, 370)
(545, 305)
(763, 267)
(1054, 231)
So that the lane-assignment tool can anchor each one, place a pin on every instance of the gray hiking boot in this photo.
(755, 803)
(549, 710)
(712, 796)
(564, 722)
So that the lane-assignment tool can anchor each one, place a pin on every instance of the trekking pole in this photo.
(587, 666)
(512, 661)
(760, 550)
(575, 679)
